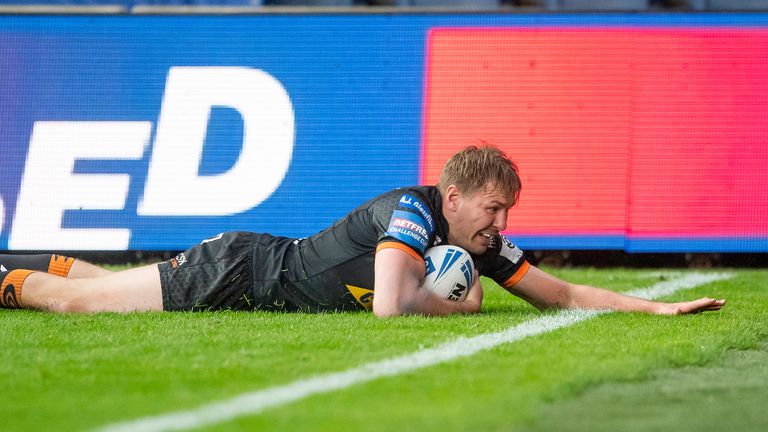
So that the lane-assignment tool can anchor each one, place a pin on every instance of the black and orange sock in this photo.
(58, 265)
(11, 284)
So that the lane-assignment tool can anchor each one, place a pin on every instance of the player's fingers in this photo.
(476, 292)
(703, 302)
(695, 306)
(476, 284)
(713, 305)
(716, 305)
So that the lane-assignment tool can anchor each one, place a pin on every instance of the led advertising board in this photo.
(634, 132)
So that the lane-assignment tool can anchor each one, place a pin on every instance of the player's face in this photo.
(473, 219)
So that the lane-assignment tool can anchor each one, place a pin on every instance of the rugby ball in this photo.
(449, 272)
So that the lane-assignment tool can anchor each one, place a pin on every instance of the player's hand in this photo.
(474, 297)
(691, 307)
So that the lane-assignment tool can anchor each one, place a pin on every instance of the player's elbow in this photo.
(385, 306)
(386, 312)
(396, 306)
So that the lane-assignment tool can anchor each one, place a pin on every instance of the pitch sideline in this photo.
(260, 400)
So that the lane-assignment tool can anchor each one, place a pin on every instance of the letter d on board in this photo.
(173, 186)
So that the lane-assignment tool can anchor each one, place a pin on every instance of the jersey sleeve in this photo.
(409, 227)
(504, 262)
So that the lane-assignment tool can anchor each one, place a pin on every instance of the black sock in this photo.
(54, 264)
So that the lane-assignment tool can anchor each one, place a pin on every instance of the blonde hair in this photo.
(477, 168)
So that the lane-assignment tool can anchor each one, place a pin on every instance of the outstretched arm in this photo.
(545, 291)
(399, 289)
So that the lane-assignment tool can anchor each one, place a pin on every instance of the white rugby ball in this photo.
(449, 272)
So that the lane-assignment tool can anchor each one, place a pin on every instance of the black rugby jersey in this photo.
(333, 269)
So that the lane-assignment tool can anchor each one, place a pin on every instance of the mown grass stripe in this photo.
(258, 401)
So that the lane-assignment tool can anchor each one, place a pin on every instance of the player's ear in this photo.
(452, 196)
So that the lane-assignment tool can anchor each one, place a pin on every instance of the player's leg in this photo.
(131, 290)
(59, 265)
(83, 269)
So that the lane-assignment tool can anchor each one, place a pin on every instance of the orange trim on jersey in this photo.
(60, 265)
(11, 288)
(515, 278)
(401, 246)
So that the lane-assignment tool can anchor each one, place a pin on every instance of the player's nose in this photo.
(500, 221)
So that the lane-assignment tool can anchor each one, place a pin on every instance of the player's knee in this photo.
(62, 306)
(75, 305)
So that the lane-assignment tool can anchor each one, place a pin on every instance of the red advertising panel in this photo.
(700, 135)
(636, 132)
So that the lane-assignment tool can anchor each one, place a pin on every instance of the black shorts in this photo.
(234, 271)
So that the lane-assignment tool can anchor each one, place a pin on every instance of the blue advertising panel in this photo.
(327, 107)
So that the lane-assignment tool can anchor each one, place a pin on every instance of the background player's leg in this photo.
(131, 290)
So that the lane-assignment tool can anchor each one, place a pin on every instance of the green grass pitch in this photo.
(615, 372)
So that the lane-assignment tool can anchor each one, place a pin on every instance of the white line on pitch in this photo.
(257, 401)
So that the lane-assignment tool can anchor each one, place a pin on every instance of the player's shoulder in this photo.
(422, 201)
(508, 250)
(407, 215)
(424, 195)
(501, 254)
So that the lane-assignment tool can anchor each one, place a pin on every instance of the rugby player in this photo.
(377, 248)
